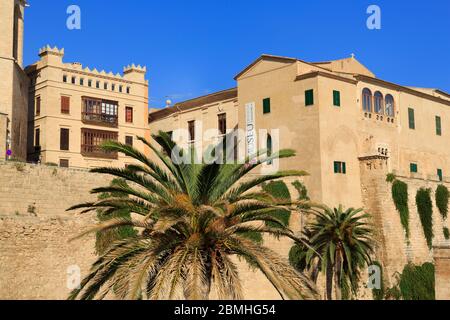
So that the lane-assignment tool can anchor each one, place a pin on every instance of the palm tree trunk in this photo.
(337, 275)
(329, 280)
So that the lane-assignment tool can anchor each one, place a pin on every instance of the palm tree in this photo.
(193, 219)
(340, 245)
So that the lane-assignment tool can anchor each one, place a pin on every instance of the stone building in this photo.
(14, 82)
(333, 114)
(73, 109)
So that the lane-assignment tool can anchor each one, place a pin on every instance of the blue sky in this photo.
(194, 47)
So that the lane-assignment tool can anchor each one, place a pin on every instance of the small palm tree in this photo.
(193, 219)
(340, 245)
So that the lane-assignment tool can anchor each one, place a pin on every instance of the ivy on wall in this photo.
(425, 209)
(400, 197)
(442, 195)
(414, 283)
(446, 233)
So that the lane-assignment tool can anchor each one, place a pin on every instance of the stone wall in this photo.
(394, 250)
(35, 253)
(442, 262)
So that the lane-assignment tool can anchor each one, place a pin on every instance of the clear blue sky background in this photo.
(194, 47)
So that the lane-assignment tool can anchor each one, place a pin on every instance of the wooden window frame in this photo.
(129, 140)
(411, 119)
(129, 115)
(64, 139)
(91, 140)
(266, 106)
(340, 167)
(413, 167)
(438, 126)
(309, 97)
(336, 98)
(38, 105)
(65, 105)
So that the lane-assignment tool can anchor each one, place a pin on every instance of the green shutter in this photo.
(344, 168)
(438, 126)
(309, 97)
(266, 105)
(413, 168)
(336, 98)
(440, 175)
(412, 122)
(336, 167)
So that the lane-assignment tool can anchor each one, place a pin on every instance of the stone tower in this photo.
(14, 82)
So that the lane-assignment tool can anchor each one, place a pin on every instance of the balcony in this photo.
(100, 119)
(91, 141)
(100, 112)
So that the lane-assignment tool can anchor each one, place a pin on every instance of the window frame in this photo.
(440, 175)
(64, 145)
(266, 106)
(129, 140)
(340, 167)
(336, 98)
(309, 97)
(191, 130)
(411, 119)
(413, 167)
(129, 114)
(65, 108)
(222, 123)
(438, 120)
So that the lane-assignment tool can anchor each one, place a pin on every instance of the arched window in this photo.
(269, 148)
(378, 102)
(367, 100)
(390, 106)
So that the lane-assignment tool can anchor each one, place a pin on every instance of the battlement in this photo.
(47, 50)
(134, 68)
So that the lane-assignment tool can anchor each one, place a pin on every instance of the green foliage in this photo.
(51, 164)
(400, 197)
(390, 177)
(301, 189)
(442, 195)
(446, 233)
(104, 239)
(254, 236)
(415, 283)
(378, 294)
(280, 192)
(425, 209)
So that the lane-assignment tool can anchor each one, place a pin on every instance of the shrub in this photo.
(390, 177)
(400, 197)
(425, 209)
(442, 195)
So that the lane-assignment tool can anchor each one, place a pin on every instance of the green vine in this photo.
(442, 195)
(391, 177)
(400, 197)
(414, 283)
(446, 233)
(425, 209)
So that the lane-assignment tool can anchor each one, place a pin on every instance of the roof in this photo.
(194, 103)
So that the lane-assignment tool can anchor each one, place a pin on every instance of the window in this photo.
(37, 137)
(97, 84)
(100, 112)
(411, 119)
(64, 163)
(266, 106)
(269, 145)
(120, 88)
(64, 139)
(113, 87)
(91, 141)
(81, 82)
(389, 102)
(191, 128)
(105, 86)
(413, 168)
(336, 98)
(74, 80)
(64, 78)
(378, 102)
(129, 140)
(438, 126)
(340, 167)
(440, 175)
(309, 97)
(65, 105)
(89, 83)
(128, 90)
(129, 114)
(17, 16)
(222, 119)
(367, 100)
(38, 105)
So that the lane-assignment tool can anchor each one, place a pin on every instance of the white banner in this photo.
(250, 129)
